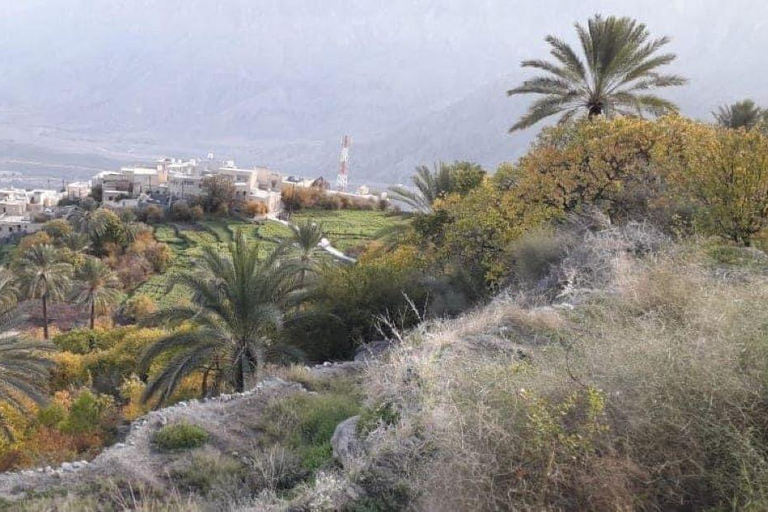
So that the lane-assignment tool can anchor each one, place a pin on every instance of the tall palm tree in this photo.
(42, 275)
(304, 243)
(88, 222)
(237, 310)
(98, 287)
(431, 184)
(23, 376)
(742, 114)
(75, 242)
(619, 65)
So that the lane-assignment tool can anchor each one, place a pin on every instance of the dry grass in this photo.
(650, 394)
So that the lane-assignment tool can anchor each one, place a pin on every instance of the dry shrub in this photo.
(140, 306)
(253, 208)
(533, 255)
(649, 394)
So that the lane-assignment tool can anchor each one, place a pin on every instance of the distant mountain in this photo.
(89, 84)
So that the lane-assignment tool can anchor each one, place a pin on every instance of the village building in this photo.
(15, 226)
(78, 190)
(176, 180)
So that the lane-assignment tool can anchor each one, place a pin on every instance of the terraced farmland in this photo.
(344, 228)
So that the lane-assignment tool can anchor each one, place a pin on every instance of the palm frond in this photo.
(618, 59)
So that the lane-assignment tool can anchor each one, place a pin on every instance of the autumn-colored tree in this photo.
(57, 228)
(254, 208)
(728, 178)
(618, 165)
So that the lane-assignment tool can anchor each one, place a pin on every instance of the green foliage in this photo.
(238, 302)
(57, 228)
(350, 303)
(618, 68)
(306, 423)
(180, 436)
(431, 185)
(97, 287)
(742, 114)
(727, 178)
(42, 275)
(23, 377)
(203, 472)
(106, 357)
(107, 231)
(52, 415)
(83, 341)
(372, 417)
(86, 413)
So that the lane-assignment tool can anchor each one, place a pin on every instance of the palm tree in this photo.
(620, 64)
(430, 185)
(236, 312)
(88, 221)
(742, 114)
(42, 275)
(75, 242)
(23, 376)
(304, 242)
(98, 287)
(9, 292)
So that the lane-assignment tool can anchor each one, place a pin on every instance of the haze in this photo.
(91, 84)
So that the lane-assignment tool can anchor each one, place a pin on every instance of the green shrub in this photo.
(180, 436)
(202, 472)
(87, 412)
(82, 341)
(305, 424)
(52, 415)
(351, 302)
(372, 417)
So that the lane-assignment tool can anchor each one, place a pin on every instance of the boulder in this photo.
(372, 350)
(345, 443)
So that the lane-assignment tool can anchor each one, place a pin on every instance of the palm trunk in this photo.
(240, 375)
(93, 315)
(595, 110)
(204, 385)
(45, 316)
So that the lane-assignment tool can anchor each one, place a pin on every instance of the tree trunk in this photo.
(93, 315)
(595, 109)
(240, 375)
(45, 316)
(204, 385)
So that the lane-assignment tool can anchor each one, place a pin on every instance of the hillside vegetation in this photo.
(584, 329)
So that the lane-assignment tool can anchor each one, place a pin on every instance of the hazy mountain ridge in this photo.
(279, 82)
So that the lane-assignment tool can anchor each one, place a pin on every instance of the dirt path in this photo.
(230, 419)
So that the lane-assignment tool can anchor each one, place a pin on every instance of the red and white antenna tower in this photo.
(341, 178)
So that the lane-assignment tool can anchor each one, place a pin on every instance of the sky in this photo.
(287, 78)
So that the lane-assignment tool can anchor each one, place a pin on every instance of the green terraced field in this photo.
(344, 228)
(348, 228)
